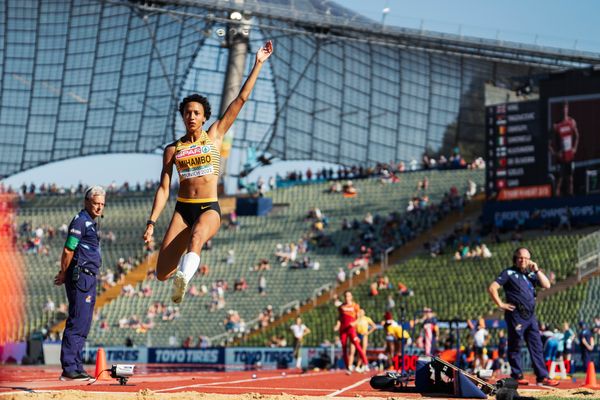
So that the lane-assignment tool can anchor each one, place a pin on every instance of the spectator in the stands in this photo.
(261, 187)
(263, 265)
(349, 189)
(471, 190)
(49, 306)
(203, 342)
(265, 317)
(373, 290)
(193, 291)
(204, 270)
(187, 343)
(230, 257)
(346, 225)
(233, 220)
(403, 290)
(336, 187)
(240, 285)
(390, 304)
(262, 285)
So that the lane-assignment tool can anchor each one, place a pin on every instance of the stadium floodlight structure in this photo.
(105, 76)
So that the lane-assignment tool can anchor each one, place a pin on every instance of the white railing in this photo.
(588, 255)
(292, 305)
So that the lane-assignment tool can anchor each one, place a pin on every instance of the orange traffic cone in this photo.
(590, 377)
(101, 372)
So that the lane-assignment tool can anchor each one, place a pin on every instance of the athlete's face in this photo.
(522, 259)
(193, 116)
(566, 109)
(348, 297)
(94, 206)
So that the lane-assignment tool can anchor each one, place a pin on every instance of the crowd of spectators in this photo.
(387, 172)
(201, 343)
(52, 189)
(234, 323)
(266, 316)
(463, 243)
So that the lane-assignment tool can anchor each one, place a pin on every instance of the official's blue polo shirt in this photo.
(519, 288)
(587, 334)
(84, 241)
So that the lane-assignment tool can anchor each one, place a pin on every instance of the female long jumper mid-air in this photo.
(196, 156)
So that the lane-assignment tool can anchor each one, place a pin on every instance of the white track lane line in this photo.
(348, 388)
(232, 382)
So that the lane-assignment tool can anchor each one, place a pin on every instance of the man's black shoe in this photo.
(74, 376)
(86, 374)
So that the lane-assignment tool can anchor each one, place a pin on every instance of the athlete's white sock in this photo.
(189, 265)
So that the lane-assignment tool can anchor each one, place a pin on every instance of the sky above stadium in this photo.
(558, 23)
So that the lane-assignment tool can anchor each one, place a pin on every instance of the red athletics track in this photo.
(20, 379)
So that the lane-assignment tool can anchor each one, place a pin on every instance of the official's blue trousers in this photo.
(529, 331)
(82, 298)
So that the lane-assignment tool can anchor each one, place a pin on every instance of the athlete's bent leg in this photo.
(205, 228)
(359, 349)
(173, 246)
(351, 357)
(344, 339)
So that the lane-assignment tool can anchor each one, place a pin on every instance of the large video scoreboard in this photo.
(545, 154)
(517, 152)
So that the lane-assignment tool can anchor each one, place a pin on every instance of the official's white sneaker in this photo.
(179, 287)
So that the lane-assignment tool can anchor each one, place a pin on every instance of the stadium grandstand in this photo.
(428, 158)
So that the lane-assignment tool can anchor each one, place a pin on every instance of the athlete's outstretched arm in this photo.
(222, 125)
(162, 192)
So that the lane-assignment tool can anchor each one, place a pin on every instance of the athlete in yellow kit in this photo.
(196, 156)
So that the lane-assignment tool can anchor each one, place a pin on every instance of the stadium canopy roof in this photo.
(82, 77)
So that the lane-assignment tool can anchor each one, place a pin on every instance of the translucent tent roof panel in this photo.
(88, 77)
(82, 77)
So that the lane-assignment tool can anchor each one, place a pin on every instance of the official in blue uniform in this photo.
(586, 345)
(79, 265)
(519, 283)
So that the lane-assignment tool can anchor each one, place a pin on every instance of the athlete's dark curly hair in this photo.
(198, 99)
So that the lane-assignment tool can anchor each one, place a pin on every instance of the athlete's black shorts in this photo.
(190, 212)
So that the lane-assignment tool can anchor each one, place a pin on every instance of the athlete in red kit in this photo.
(564, 149)
(348, 313)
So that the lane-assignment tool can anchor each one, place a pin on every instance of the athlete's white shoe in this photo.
(179, 287)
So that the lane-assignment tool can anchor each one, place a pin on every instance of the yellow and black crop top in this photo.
(198, 158)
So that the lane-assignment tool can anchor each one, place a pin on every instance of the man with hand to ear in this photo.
(519, 283)
(79, 265)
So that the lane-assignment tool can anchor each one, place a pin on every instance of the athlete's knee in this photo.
(199, 236)
(162, 271)
(162, 276)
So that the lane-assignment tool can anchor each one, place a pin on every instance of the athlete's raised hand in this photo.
(264, 52)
